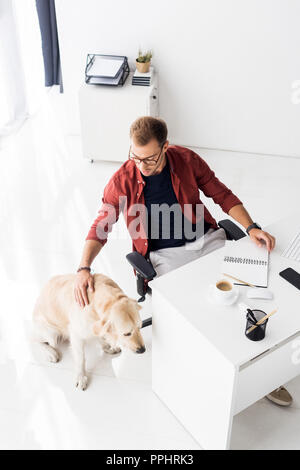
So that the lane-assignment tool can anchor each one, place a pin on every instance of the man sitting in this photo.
(162, 182)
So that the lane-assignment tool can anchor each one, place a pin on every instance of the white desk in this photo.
(203, 366)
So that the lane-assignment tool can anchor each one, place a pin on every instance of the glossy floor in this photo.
(49, 197)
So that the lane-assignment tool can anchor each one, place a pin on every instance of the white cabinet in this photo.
(106, 113)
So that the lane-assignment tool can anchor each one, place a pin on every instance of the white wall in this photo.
(226, 67)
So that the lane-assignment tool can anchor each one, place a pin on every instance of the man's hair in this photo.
(146, 128)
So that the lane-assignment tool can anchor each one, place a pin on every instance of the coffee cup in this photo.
(223, 290)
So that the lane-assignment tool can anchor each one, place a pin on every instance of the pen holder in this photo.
(260, 331)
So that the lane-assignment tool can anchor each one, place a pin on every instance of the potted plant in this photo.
(143, 61)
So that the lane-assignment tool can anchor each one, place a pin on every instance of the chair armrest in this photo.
(233, 232)
(141, 265)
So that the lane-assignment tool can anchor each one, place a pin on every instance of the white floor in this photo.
(49, 197)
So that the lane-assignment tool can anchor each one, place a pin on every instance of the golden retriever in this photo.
(110, 315)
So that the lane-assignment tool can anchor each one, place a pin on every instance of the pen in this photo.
(250, 313)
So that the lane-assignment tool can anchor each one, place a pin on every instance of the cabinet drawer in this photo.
(268, 371)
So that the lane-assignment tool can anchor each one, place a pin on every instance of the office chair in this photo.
(145, 271)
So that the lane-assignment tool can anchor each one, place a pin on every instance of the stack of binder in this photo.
(143, 79)
(106, 69)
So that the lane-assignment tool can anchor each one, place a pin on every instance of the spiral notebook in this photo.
(246, 261)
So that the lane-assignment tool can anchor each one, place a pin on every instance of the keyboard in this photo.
(292, 251)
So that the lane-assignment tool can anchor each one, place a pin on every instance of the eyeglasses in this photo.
(147, 161)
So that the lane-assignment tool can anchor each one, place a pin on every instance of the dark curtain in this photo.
(47, 20)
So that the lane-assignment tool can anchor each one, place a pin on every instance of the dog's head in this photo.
(121, 326)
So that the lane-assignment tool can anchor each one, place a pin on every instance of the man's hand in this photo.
(262, 238)
(84, 279)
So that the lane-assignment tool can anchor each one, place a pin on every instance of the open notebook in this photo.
(247, 262)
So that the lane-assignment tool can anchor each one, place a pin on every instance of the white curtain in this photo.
(21, 66)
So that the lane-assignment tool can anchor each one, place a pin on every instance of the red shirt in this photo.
(189, 173)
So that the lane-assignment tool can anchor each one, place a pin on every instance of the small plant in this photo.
(144, 58)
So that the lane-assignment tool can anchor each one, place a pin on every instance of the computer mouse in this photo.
(259, 293)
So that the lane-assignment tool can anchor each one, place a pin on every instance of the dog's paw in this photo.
(52, 356)
(81, 382)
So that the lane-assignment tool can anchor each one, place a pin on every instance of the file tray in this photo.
(104, 69)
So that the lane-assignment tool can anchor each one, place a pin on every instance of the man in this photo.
(158, 175)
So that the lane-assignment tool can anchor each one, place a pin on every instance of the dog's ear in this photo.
(101, 327)
(104, 305)
(138, 306)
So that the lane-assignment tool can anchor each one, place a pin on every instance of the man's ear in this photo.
(101, 327)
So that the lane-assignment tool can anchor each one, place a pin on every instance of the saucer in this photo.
(230, 301)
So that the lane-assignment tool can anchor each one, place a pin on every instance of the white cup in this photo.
(223, 290)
